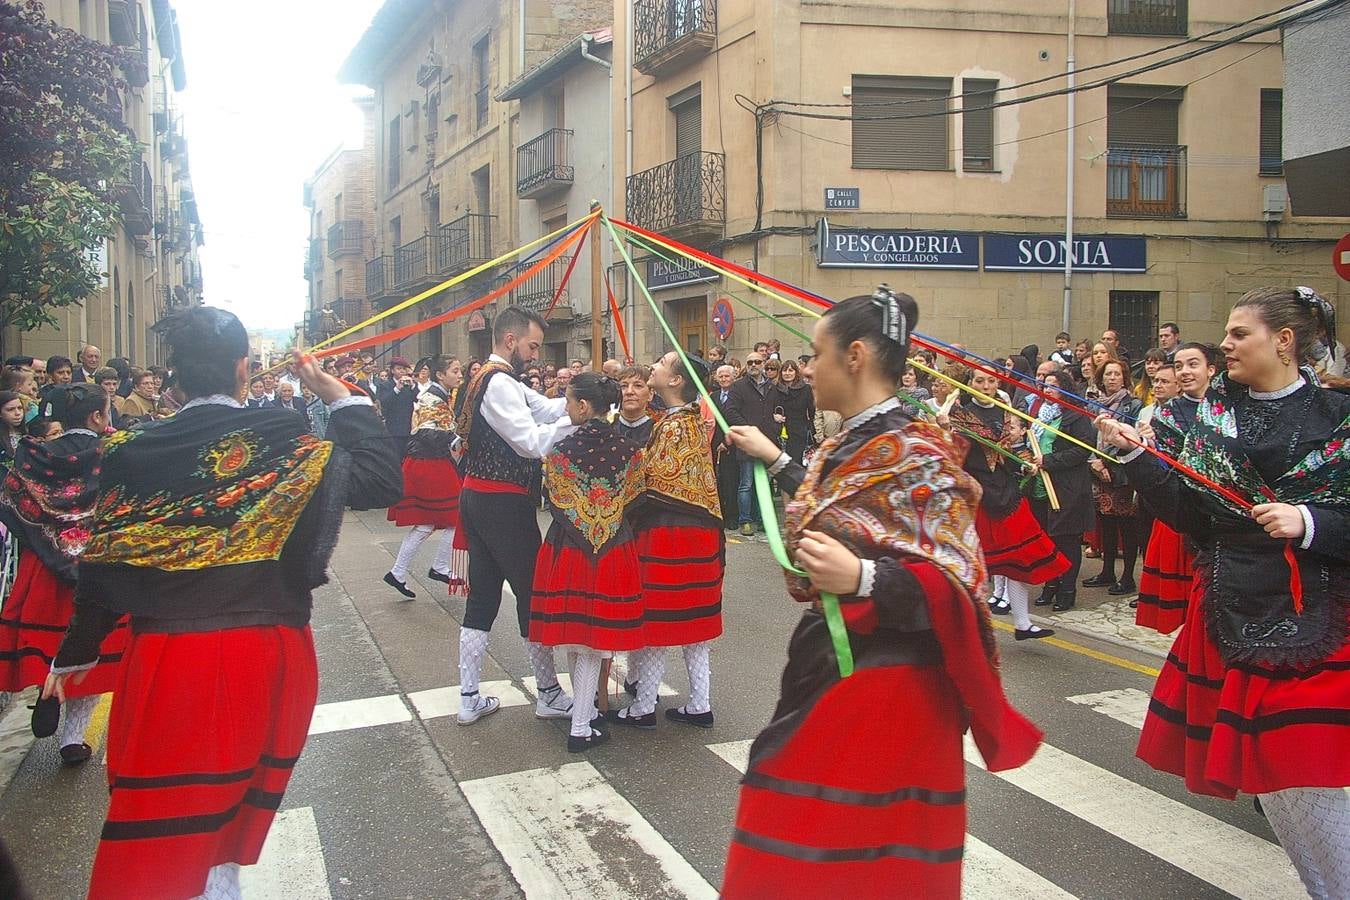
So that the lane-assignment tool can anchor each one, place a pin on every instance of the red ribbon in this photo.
(618, 319)
(557, 295)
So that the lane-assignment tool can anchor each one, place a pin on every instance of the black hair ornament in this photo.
(892, 320)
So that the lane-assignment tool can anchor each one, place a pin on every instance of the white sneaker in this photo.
(471, 709)
(560, 707)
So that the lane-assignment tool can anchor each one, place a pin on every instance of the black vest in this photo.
(491, 458)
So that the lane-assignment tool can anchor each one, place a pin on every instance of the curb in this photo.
(1082, 631)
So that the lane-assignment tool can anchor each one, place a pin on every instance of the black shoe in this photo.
(1000, 607)
(46, 716)
(1122, 587)
(1047, 595)
(1105, 579)
(698, 720)
(437, 576)
(1064, 603)
(397, 585)
(1134, 604)
(619, 717)
(630, 688)
(582, 744)
(1032, 633)
(74, 754)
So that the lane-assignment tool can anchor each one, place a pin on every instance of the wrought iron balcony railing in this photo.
(379, 277)
(670, 33)
(685, 197)
(1146, 182)
(136, 198)
(544, 165)
(463, 243)
(1166, 17)
(412, 262)
(346, 236)
(537, 292)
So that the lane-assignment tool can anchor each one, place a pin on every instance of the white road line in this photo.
(985, 872)
(1214, 851)
(16, 734)
(615, 683)
(348, 714)
(567, 833)
(291, 864)
(1128, 705)
(439, 702)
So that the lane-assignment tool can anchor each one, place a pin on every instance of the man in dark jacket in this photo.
(397, 396)
(750, 402)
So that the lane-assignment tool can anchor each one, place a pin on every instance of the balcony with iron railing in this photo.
(347, 236)
(463, 243)
(536, 293)
(544, 165)
(412, 263)
(684, 198)
(1161, 17)
(136, 198)
(671, 33)
(379, 278)
(1146, 181)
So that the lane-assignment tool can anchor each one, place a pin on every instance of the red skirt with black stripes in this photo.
(1165, 582)
(1247, 727)
(430, 494)
(204, 732)
(34, 619)
(853, 806)
(1016, 547)
(587, 602)
(682, 568)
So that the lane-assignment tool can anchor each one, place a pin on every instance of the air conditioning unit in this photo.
(1274, 199)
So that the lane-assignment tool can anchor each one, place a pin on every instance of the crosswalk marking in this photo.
(985, 871)
(291, 864)
(566, 833)
(617, 673)
(347, 714)
(1128, 705)
(1214, 851)
(439, 702)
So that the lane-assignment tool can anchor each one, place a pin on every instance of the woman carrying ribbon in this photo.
(1255, 696)
(857, 786)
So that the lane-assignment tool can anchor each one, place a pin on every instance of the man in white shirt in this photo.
(507, 429)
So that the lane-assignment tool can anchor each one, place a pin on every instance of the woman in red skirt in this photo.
(857, 786)
(430, 480)
(587, 595)
(211, 532)
(1014, 544)
(1255, 695)
(47, 502)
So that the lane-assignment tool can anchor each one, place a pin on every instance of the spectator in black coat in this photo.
(751, 401)
(799, 410)
(724, 458)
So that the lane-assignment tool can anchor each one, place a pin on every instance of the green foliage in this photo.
(65, 155)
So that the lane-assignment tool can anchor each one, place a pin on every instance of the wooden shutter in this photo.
(977, 124)
(1271, 149)
(899, 122)
(689, 127)
(1142, 114)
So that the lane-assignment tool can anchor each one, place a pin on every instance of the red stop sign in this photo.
(1340, 257)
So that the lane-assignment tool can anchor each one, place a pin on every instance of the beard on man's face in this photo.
(518, 361)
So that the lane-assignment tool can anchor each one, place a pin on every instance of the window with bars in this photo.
(1271, 149)
(977, 124)
(1134, 317)
(1146, 17)
(900, 122)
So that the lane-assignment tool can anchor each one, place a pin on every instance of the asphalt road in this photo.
(391, 799)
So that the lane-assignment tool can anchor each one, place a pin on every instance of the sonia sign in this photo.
(1047, 253)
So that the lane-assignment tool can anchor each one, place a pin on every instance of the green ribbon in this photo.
(829, 603)
(964, 432)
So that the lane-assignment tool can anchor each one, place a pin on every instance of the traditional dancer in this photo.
(47, 504)
(636, 416)
(213, 527)
(682, 550)
(1014, 544)
(431, 482)
(1255, 695)
(857, 786)
(507, 429)
(587, 594)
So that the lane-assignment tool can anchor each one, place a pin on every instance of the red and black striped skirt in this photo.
(204, 732)
(853, 806)
(430, 494)
(1247, 727)
(585, 602)
(1165, 582)
(1016, 547)
(682, 568)
(33, 622)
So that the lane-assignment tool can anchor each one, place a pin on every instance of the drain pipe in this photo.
(628, 153)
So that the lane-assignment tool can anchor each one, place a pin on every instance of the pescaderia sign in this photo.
(895, 249)
(663, 273)
(1048, 253)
